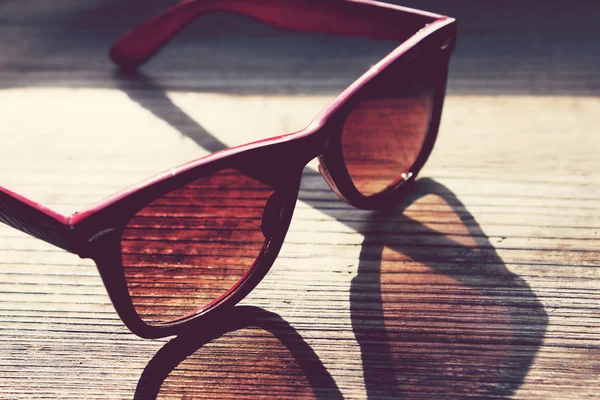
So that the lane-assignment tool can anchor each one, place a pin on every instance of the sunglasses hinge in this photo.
(89, 248)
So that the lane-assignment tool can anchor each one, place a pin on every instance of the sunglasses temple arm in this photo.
(363, 18)
(35, 220)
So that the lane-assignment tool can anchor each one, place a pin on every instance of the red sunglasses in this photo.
(179, 247)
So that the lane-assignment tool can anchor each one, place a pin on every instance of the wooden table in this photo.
(483, 283)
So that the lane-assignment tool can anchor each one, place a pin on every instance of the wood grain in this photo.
(481, 284)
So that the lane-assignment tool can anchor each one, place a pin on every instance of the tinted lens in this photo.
(187, 249)
(385, 132)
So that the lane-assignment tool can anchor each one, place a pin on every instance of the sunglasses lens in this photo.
(189, 248)
(385, 132)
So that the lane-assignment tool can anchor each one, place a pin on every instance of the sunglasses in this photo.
(193, 241)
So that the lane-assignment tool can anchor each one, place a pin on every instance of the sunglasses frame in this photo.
(96, 232)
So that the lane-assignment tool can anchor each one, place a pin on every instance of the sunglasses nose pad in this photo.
(272, 215)
(325, 173)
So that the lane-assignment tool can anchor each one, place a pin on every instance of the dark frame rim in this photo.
(283, 172)
(95, 232)
(332, 164)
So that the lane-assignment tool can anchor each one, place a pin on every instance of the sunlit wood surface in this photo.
(482, 284)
